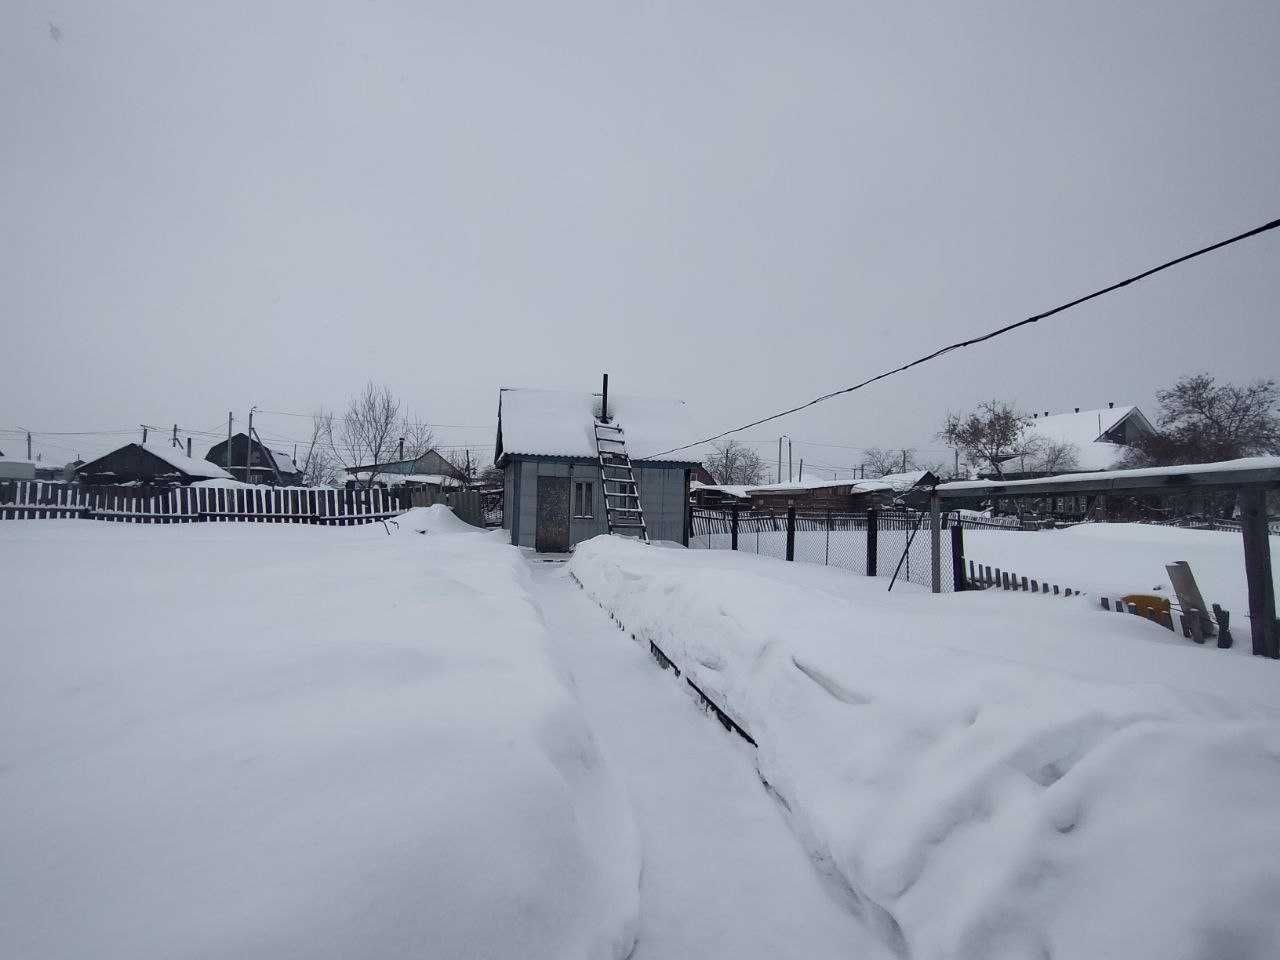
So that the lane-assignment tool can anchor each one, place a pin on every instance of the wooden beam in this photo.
(1257, 568)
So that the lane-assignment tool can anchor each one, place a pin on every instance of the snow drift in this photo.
(992, 775)
(242, 740)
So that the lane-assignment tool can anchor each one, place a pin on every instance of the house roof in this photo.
(171, 455)
(559, 423)
(1085, 431)
(893, 482)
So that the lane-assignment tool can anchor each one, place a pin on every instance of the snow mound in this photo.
(264, 741)
(993, 776)
(436, 518)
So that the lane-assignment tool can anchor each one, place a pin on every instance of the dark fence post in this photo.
(957, 558)
(791, 532)
(1257, 568)
(873, 530)
(733, 529)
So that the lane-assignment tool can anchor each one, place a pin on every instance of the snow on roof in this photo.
(728, 489)
(1245, 465)
(398, 479)
(284, 462)
(559, 422)
(895, 482)
(1083, 431)
(191, 466)
(173, 456)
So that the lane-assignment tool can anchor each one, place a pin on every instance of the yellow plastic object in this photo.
(1146, 602)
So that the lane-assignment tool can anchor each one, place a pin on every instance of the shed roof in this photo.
(559, 423)
(893, 482)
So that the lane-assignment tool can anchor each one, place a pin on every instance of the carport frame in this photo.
(1249, 478)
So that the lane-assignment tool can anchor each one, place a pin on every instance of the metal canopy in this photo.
(1230, 474)
(1250, 478)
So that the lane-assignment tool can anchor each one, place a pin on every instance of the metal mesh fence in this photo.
(901, 540)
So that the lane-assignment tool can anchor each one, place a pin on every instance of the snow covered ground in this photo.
(992, 775)
(724, 877)
(242, 740)
(1114, 559)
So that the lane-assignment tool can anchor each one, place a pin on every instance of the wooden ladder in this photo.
(622, 509)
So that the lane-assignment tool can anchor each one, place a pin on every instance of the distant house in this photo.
(428, 470)
(265, 465)
(13, 469)
(840, 495)
(157, 462)
(719, 496)
(547, 450)
(1097, 437)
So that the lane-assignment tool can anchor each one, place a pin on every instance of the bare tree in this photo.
(1202, 421)
(1054, 456)
(368, 435)
(732, 463)
(318, 466)
(989, 436)
(880, 462)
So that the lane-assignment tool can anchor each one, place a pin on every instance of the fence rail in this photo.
(34, 499)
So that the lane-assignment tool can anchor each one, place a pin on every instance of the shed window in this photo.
(583, 505)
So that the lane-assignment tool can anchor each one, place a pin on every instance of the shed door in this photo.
(553, 515)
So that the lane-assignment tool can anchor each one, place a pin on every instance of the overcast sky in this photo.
(208, 205)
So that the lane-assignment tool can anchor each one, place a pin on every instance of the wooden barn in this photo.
(152, 463)
(265, 465)
(573, 467)
(842, 495)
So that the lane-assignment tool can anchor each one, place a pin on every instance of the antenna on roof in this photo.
(604, 400)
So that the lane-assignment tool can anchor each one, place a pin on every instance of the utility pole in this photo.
(401, 454)
(904, 461)
(248, 447)
(862, 471)
(468, 452)
(174, 441)
(227, 465)
(955, 473)
(188, 446)
(144, 433)
(28, 444)
(788, 459)
(801, 477)
(779, 459)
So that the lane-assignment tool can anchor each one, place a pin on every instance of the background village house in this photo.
(547, 450)
(428, 470)
(157, 462)
(266, 466)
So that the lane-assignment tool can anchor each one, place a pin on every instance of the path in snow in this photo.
(723, 876)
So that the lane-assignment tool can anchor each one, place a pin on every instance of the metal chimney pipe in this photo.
(604, 400)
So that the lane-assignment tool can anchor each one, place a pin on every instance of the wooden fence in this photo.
(34, 499)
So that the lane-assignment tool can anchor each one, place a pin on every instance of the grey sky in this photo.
(211, 205)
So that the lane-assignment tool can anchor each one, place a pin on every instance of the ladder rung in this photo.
(630, 526)
(607, 426)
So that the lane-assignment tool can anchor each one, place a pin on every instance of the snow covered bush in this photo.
(993, 775)
(244, 740)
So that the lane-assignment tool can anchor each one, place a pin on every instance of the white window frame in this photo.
(582, 489)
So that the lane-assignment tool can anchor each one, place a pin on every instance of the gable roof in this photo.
(171, 455)
(559, 423)
(1087, 431)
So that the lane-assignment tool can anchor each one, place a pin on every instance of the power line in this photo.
(980, 339)
(410, 423)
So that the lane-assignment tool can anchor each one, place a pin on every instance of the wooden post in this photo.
(935, 541)
(733, 529)
(873, 538)
(1257, 567)
(958, 581)
(791, 532)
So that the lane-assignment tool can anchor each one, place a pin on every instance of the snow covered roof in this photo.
(893, 482)
(729, 489)
(284, 462)
(398, 479)
(559, 423)
(1222, 473)
(1085, 431)
(173, 456)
